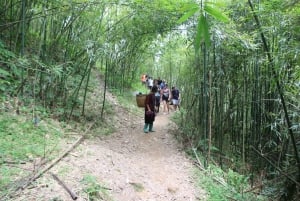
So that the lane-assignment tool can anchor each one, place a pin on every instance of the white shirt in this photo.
(150, 83)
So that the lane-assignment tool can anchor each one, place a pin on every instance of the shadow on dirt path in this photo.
(131, 165)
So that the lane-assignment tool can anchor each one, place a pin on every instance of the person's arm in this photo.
(148, 107)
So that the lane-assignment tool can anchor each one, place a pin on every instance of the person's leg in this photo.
(151, 128)
(146, 128)
(157, 99)
(168, 106)
(164, 106)
(175, 104)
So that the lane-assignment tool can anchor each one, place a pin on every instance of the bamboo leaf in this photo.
(188, 6)
(187, 15)
(199, 34)
(4, 73)
(216, 13)
(202, 33)
(206, 34)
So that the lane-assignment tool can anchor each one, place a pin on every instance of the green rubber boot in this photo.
(151, 128)
(146, 129)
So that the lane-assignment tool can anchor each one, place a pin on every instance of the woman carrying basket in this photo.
(150, 110)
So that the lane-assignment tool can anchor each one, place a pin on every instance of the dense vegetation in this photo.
(235, 62)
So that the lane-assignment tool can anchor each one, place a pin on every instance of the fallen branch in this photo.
(73, 195)
(106, 188)
(223, 183)
(198, 160)
(17, 185)
(36, 175)
(48, 167)
(12, 162)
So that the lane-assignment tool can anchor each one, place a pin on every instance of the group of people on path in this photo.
(159, 93)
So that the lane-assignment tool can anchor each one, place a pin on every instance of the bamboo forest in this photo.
(235, 63)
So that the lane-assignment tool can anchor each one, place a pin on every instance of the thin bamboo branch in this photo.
(276, 167)
(198, 160)
(210, 117)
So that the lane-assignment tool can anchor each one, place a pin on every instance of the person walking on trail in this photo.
(150, 110)
(159, 81)
(165, 95)
(157, 99)
(175, 97)
(162, 84)
(150, 83)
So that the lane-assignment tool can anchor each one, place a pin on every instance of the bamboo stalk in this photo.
(210, 117)
(278, 86)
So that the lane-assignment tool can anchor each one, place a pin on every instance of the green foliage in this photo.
(239, 182)
(94, 190)
(212, 9)
(224, 186)
(4, 53)
(190, 10)
(202, 32)
(7, 174)
(6, 75)
(209, 8)
(22, 140)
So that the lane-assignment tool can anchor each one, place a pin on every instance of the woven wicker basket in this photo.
(140, 100)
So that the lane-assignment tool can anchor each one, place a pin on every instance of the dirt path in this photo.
(134, 166)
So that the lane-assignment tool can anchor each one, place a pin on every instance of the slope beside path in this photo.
(129, 165)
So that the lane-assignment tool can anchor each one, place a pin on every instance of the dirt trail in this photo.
(134, 166)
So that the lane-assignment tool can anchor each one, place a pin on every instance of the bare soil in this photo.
(129, 165)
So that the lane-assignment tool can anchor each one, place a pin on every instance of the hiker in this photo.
(162, 84)
(175, 97)
(159, 81)
(150, 110)
(150, 83)
(143, 79)
(157, 99)
(165, 93)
